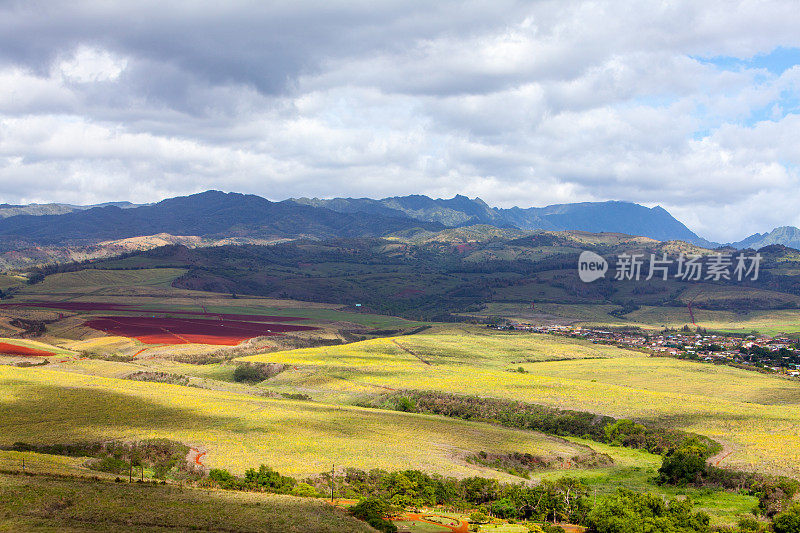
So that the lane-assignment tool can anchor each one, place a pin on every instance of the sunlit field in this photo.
(240, 431)
(755, 415)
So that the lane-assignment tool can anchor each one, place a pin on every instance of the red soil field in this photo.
(151, 330)
(100, 306)
(14, 349)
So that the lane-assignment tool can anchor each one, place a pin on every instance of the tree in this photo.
(681, 467)
(627, 512)
(374, 512)
(625, 433)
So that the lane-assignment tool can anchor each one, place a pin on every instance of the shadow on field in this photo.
(52, 413)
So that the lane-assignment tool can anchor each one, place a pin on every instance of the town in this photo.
(779, 354)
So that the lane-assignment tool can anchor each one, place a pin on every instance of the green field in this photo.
(93, 280)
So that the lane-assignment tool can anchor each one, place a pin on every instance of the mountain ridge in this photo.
(218, 214)
(610, 216)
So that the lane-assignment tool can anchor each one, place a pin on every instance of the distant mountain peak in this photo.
(783, 235)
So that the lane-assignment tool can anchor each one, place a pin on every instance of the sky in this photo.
(694, 106)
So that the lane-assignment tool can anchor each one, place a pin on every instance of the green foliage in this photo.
(269, 480)
(477, 517)
(374, 512)
(625, 433)
(405, 404)
(112, 465)
(223, 479)
(681, 467)
(627, 511)
(549, 420)
(256, 372)
(305, 490)
(264, 479)
(748, 524)
(163, 456)
(788, 521)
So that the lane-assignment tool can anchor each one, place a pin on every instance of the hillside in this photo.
(211, 213)
(615, 217)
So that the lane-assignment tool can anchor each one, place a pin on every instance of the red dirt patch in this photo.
(151, 330)
(15, 349)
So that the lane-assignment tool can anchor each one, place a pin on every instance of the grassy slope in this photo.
(635, 469)
(50, 504)
(755, 414)
(88, 280)
(239, 431)
(768, 321)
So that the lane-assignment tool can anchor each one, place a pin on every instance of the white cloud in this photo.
(520, 103)
(88, 65)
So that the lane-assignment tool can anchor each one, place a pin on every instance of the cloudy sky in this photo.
(694, 106)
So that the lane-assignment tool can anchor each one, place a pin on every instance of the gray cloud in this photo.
(520, 103)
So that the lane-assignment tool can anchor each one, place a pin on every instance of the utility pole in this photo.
(333, 476)
(142, 467)
(130, 474)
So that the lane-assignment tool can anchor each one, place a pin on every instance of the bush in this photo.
(268, 479)
(256, 372)
(788, 521)
(304, 489)
(748, 524)
(112, 465)
(681, 467)
(373, 511)
(224, 479)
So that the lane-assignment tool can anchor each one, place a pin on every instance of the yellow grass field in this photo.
(240, 431)
(755, 415)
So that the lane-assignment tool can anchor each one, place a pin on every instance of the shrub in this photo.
(256, 372)
(788, 521)
(681, 467)
(304, 489)
(373, 511)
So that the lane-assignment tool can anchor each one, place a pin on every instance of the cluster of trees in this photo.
(562, 500)
(164, 457)
(263, 479)
(549, 420)
(783, 357)
(383, 494)
(628, 511)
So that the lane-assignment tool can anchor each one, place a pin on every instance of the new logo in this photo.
(591, 266)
